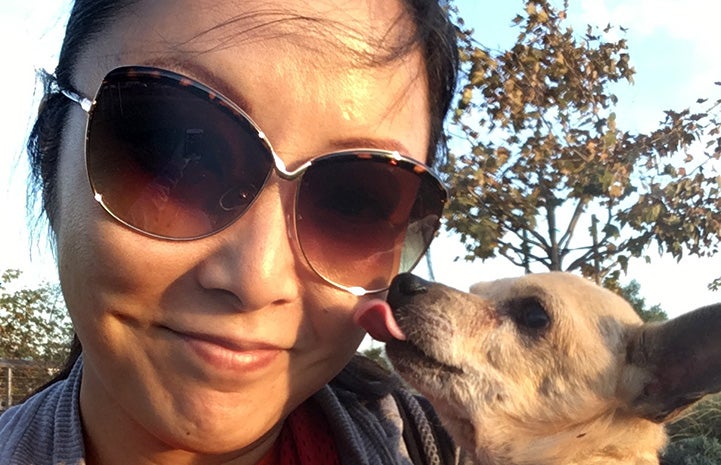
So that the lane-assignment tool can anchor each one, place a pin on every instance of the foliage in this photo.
(631, 292)
(33, 322)
(377, 354)
(543, 157)
(703, 419)
(697, 450)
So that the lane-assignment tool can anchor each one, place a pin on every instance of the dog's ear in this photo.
(683, 359)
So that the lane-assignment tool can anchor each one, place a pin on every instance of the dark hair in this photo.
(437, 36)
(87, 19)
(433, 34)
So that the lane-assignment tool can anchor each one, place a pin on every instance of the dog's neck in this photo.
(609, 441)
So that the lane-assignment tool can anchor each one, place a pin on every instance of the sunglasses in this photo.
(174, 159)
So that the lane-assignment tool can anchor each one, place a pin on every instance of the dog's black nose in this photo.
(404, 287)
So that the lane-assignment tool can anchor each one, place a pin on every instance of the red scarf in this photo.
(304, 440)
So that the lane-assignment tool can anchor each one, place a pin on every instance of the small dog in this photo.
(548, 369)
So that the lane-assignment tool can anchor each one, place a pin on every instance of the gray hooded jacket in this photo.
(374, 419)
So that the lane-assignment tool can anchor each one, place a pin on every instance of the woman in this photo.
(256, 176)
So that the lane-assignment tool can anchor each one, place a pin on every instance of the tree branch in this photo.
(568, 235)
(520, 251)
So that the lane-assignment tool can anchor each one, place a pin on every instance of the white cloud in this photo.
(692, 20)
(690, 24)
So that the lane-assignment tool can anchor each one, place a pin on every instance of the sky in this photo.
(669, 44)
(673, 46)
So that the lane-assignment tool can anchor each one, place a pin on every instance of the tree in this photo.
(378, 355)
(698, 450)
(33, 322)
(631, 292)
(542, 157)
(702, 419)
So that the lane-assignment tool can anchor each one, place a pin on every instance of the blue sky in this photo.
(670, 47)
(674, 46)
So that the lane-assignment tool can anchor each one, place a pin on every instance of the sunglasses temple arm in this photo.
(85, 103)
(52, 83)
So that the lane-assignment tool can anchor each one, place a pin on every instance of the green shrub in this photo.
(704, 419)
(699, 450)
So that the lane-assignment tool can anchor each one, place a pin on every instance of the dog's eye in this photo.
(531, 315)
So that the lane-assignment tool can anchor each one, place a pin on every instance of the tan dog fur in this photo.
(593, 386)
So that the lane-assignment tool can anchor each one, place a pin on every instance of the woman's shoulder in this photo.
(367, 378)
(30, 419)
(29, 431)
(379, 408)
(370, 382)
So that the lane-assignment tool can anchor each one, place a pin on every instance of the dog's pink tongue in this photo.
(376, 318)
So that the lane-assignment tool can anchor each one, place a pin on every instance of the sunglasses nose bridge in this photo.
(286, 174)
(292, 218)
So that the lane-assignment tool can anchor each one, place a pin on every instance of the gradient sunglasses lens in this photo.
(363, 217)
(169, 158)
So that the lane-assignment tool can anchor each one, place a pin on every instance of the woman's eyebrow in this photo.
(203, 75)
(209, 78)
(370, 143)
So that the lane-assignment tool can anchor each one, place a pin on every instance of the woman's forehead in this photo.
(296, 55)
(360, 26)
(320, 33)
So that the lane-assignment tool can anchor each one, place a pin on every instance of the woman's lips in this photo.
(228, 354)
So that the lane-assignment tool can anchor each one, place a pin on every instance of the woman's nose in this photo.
(256, 258)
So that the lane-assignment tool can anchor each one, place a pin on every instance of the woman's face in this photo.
(205, 345)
